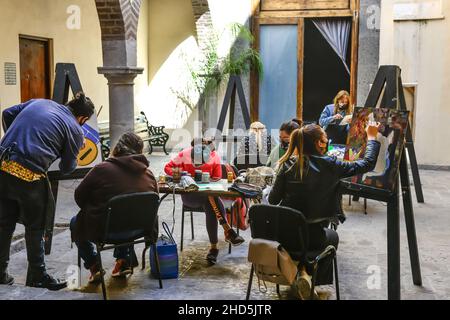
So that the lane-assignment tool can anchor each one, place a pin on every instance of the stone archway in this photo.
(119, 24)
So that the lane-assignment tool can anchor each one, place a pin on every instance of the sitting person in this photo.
(202, 156)
(257, 144)
(279, 151)
(127, 171)
(308, 181)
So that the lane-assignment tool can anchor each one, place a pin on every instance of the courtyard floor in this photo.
(362, 250)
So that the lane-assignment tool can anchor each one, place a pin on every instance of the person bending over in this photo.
(308, 181)
(202, 156)
(38, 132)
(127, 171)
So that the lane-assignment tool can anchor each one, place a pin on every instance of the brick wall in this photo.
(118, 19)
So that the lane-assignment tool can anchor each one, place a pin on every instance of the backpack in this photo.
(271, 263)
(260, 176)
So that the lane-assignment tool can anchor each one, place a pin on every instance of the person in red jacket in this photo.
(202, 156)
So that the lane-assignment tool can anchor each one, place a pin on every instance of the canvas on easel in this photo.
(392, 132)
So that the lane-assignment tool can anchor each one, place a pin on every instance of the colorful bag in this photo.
(166, 249)
(241, 213)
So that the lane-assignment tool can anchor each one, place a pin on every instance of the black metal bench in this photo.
(156, 136)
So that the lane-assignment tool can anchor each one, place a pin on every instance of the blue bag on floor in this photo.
(166, 249)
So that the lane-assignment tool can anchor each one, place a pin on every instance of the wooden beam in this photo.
(278, 5)
(354, 55)
(254, 77)
(306, 14)
(300, 66)
(278, 20)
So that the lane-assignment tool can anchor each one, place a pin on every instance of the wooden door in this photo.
(34, 68)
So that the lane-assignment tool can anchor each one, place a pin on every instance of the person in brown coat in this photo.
(127, 171)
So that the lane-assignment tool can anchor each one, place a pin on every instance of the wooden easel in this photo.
(394, 98)
(66, 77)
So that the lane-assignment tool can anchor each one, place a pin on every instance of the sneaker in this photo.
(96, 274)
(212, 256)
(121, 269)
(232, 237)
(48, 282)
(6, 279)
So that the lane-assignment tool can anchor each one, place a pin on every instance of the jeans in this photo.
(87, 251)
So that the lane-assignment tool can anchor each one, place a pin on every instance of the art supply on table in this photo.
(198, 176)
(206, 177)
(230, 177)
(176, 175)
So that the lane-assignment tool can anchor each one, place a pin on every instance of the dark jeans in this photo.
(201, 201)
(24, 202)
(89, 255)
(320, 237)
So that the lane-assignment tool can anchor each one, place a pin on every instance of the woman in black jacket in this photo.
(308, 180)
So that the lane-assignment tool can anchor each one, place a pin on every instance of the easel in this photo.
(234, 87)
(66, 77)
(394, 98)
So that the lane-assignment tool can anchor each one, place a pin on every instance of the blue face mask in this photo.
(201, 154)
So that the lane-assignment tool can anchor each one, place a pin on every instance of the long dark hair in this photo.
(128, 144)
(302, 144)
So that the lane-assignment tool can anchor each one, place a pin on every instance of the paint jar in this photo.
(206, 177)
(198, 176)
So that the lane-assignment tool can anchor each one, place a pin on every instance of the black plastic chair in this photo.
(130, 213)
(192, 210)
(290, 229)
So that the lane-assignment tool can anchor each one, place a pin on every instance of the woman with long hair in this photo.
(308, 181)
(340, 108)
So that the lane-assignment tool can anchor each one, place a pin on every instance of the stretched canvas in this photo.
(393, 126)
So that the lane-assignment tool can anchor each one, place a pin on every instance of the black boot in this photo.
(5, 244)
(6, 279)
(37, 276)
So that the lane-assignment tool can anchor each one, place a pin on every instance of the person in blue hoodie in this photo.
(37, 133)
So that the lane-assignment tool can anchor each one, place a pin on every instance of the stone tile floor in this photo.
(362, 249)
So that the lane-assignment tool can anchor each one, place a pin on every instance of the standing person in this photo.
(127, 171)
(37, 133)
(336, 118)
(203, 157)
(279, 151)
(308, 181)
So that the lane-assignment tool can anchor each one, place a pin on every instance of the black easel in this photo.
(234, 86)
(394, 98)
(66, 77)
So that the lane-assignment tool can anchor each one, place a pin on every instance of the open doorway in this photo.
(324, 73)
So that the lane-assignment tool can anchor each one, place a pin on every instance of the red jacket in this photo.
(184, 161)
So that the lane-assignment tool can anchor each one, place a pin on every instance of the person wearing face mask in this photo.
(38, 132)
(308, 181)
(202, 156)
(336, 118)
(285, 134)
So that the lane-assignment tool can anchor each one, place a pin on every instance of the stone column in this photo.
(119, 23)
(121, 99)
